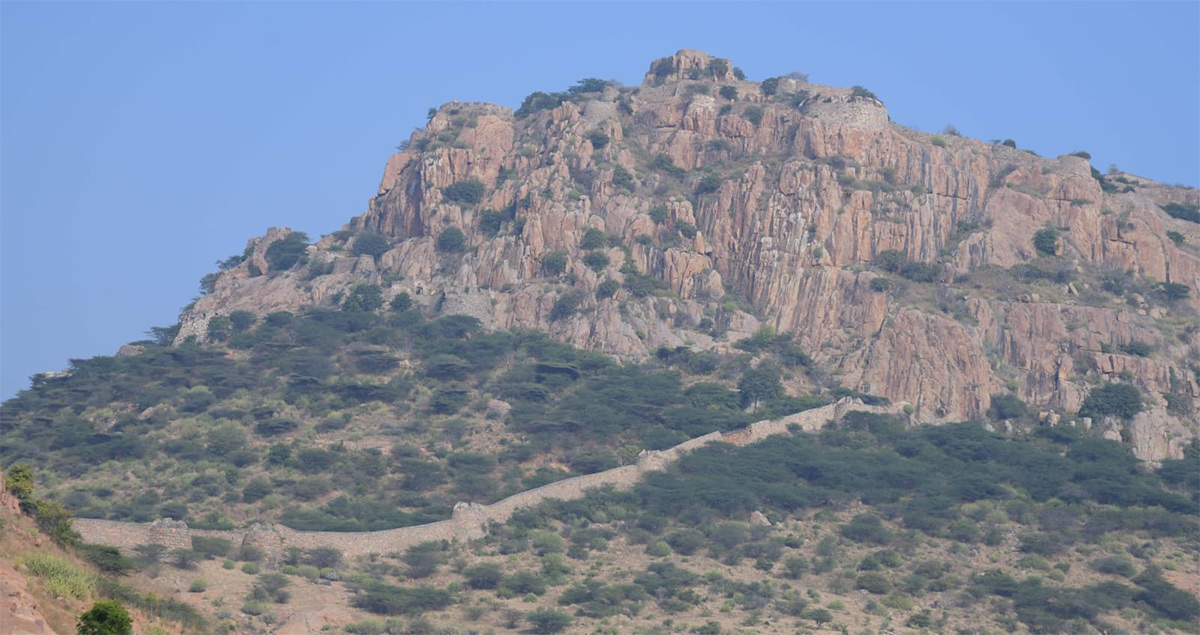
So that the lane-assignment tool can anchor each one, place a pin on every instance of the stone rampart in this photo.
(469, 520)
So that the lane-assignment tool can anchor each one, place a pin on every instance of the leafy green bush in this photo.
(592, 239)
(371, 244)
(1183, 211)
(938, 141)
(1045, 241)
(859, 91)
(490, 221)
(753, 114)
(1137, 348)
(665, 164)
(1117, 399)
(565, 306)
(607, 288)
(366, 297)
(728, 92)
(485, 575)
(451, 240)
(285, 253)
(1120, 565)
(597, 138)
(469, 192)
(1174, 291)
(709, 184)
(623, 178)
(760, 384)
(769, 86)
(873, 582)
(105, 618)
(1007, 406)
(211, 547)
(548, 620)
(555, 262)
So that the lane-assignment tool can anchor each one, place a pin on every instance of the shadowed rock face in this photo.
(813, 184)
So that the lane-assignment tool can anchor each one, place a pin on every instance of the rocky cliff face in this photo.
(727, 204)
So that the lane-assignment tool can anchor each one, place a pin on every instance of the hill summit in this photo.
(699, 207)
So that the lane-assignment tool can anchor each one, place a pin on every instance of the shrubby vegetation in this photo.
(1183, 211)
(310, 373)
(287, 252)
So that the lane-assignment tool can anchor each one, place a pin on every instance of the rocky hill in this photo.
(692, 210)
(654, 360)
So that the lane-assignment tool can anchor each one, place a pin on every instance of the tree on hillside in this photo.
(760, 384)
(105, 618)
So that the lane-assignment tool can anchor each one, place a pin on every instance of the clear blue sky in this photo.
(141, 142)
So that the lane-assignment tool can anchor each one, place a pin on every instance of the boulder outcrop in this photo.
(904, 262)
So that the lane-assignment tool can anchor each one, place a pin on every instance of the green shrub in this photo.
(1183, 211)
(769, 86)
(709, 184)
(592, 239)
(818, 615)
(753, 114)
(866, 528)
(1116, 399)
(211, 547)
(1007, 406)
(544, 542)
(468, 192)
(105, 618)
(728, 92)
(1045, 241)
(285, 253)
(597, 138)
(199, 585)
(1174, 290)
(523, 583)
(859, 91)
(451, 240)
(371, 244)
(1137, 348)
(1120, 565)
(242, 320)
(548, 620)
(366, 297)
(795, 567)
(658, 549)
(939, 142)
(873, 582)
(555, 262)
(664, 163)
(623, 178)
(490, 221)
(219, 328)
(607, 288)
(485, 575)
(401, 303)
(718, 67)
(658, 214)
(1176, 238)
(880, 284)
(250, 568)
(566, 305)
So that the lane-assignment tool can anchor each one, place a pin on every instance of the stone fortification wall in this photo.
(469, 520)
(855, 111)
